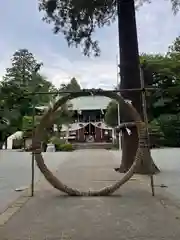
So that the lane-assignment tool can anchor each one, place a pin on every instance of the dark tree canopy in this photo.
(77, 20)
(73, 85)
(111, 116)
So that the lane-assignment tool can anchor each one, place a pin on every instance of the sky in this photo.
(21, 26)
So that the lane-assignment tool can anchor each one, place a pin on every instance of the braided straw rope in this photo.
(47, 120)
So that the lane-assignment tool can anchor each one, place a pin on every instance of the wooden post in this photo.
(33, 156)
(144, 108)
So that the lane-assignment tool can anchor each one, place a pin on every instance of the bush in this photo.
(56, 141)
(165, 131)
(67, 147)
(60, 144)
(156, 135)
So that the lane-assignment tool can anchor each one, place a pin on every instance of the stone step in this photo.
(93, 145)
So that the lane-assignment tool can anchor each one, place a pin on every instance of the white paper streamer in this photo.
(128, 131)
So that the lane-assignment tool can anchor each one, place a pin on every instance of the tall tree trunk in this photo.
(130, 78)
(1, 145)
(3, 140)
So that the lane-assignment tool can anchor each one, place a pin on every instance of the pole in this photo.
(89, 126)
(144, 106)
(37, 68)
(119, 117)
(78, 128)
(33, 156)
(90, 91)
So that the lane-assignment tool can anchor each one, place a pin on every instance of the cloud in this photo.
(21, 27)
(91, 73)
(157, 26)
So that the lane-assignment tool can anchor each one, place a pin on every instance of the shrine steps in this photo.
(94, 145)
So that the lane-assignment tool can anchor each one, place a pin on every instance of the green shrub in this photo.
(66, 147)
(165, 130)
(57, 147)
(60, 144)
(56, 141)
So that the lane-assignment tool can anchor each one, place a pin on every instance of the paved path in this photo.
(15, 172)
(130, 214)
(168, 160)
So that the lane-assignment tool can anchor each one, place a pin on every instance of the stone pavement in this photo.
(168, 160)
(131, 213)
(15, 172)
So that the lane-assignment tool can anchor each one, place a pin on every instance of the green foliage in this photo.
(166, 76)
(111, 116)
(17, 100)
(65, 114)
(67, 147)
(157, 137)
(165, 130)
(78, 20)
(23, 79)
(9, 115)
(72, 86)
(23, 65)
(60, 144)
(56, 140)
(163, 105)
(20, 80)
(27, 123)
(170, 126)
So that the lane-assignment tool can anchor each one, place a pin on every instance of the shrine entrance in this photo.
(47, 121)
(90, 133)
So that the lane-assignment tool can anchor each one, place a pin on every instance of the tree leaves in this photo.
(78, 20)
(16, 100)
(175, 5)
(163, 105)
(111, 116)
(65, 114)
(166, 76)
